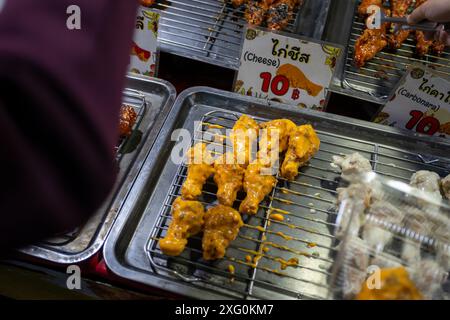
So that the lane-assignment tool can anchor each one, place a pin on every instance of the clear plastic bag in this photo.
(394, 242)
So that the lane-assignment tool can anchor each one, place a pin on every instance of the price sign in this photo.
(420, 103)
(286, 69)
(145, 43)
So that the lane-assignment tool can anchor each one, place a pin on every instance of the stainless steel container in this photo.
(308, 203)
(152, 99)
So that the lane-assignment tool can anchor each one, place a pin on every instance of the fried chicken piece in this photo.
(238, 3)
(222, 226)
(280, 13)
(422, 44)
(258, 182)
(127, 120)
(399, 9)
(303, 144)
(369, 44)
(395, 285)
(352, 165)
(229, 177)
(187, 221)
(243, 135)
(274, 136)
(256, 12)
(438, 47)
(365, 4)
(199, 170)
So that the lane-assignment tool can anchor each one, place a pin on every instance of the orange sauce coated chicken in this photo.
(395, 285)
(222, 226)
(244, 133)
(258, 182)
(280, 129)
(199, 170)
(229, 178)
(303, 144)
(399, 10)
(187, 221)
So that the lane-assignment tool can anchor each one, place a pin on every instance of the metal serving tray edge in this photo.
(130, 262)
(160, 95)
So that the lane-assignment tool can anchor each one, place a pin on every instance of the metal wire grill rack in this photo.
(206, 30)
(265, 252)
(380, 75)
(136, 100)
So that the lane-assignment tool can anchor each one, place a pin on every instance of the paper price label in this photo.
(420, 103)
(286, 69)
(145, 43)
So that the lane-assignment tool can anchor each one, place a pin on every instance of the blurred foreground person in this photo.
(60, 95)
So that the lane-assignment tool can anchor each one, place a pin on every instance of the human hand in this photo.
(437, 11)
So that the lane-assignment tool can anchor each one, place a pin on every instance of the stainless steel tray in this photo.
(211, 30)
(131, 252)
(153, 99)
(374, 81)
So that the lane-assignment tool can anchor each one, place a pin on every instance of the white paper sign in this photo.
(145, 43)
(286, 69)
(421, 103)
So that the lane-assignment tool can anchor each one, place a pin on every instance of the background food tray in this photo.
(211, 30)
(152, 100)
(131, 250)
(375, 80)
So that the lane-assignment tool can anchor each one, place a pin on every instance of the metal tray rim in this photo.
(59, 257)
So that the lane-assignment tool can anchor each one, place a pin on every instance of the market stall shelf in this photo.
(211, 30)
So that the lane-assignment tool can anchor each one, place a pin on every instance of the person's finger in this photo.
(418, 15)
